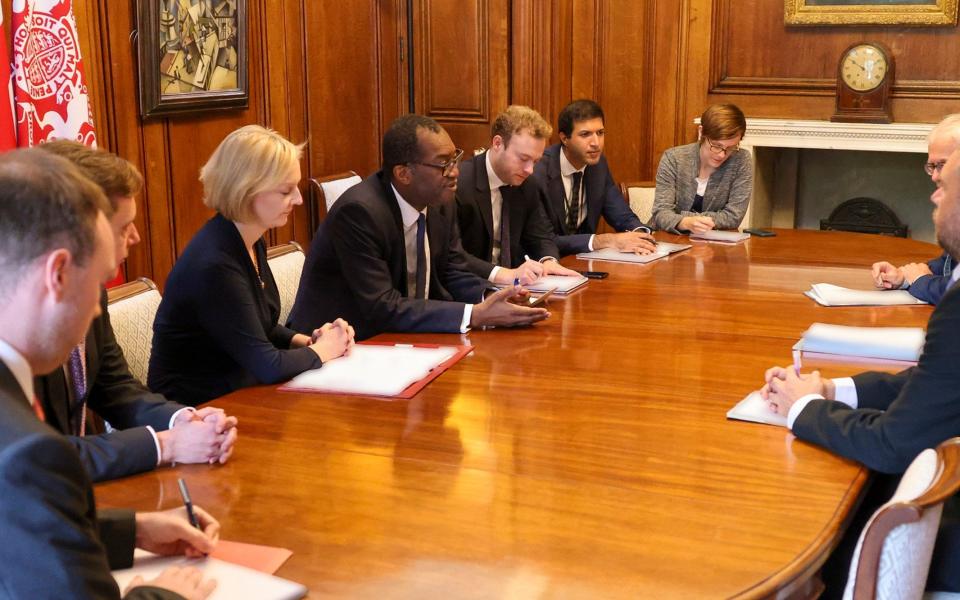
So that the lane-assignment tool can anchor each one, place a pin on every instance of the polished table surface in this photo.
(586, 457)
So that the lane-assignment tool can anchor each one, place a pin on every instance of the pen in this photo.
(185, 494)
(796, 362)
(516, 281)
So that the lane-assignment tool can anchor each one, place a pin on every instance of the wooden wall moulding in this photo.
(870, 12)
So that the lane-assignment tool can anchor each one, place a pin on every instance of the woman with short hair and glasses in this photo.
(707, 184)
(217, 326)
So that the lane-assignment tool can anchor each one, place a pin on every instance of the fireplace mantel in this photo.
(785, 133)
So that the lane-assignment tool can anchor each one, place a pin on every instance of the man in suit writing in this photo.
(56, 253)
(388, 257)
(498, 205)
(885, 420)
(150, 429)
(577, 187)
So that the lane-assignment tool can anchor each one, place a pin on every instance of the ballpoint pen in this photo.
(187, 503)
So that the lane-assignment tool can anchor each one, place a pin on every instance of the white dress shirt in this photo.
(20, 368)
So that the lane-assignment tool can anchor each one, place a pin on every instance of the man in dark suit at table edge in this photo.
(388, 256)
(577, 164)
(149, 429)
(57, 251)
(499, 211)
(884, 421)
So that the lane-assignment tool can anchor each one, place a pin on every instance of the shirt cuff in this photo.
(798, 407)
(156, 442)
(546, 258)
(590, 243)
(905, 285)
(643, 229)
(173, 418)
(467, 314)
(845, 390)
(492, 277)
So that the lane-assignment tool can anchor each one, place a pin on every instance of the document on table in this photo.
(614, 255)
(564, 284)
(726, 237)
(233, 581)
(826, 294)
(397, 367)
(888, 343)
(754, 409)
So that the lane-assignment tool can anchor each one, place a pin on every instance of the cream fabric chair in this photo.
(893, 555)
(286, 264)
(325, 191)
(132, 307)
(639, 195)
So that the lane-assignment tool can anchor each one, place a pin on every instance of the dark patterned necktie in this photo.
(78, 382)
(505, 258)
(573, 207)
(421, 257)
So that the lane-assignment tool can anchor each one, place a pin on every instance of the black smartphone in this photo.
(594, 274)
(760, 232)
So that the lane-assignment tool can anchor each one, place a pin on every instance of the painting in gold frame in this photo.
(910, 13)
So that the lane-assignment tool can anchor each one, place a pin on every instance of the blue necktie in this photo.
(421, 257)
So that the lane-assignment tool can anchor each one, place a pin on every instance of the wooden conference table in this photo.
(586, 457)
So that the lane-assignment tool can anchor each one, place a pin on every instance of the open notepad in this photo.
(725, 237)
(826, 294)
(397, 367)
(613, 255)
(885, 343)
(754, 409)
(564, 284)
(233, 581)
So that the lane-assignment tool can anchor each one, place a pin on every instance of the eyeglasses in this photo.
(930, 167)
(720, 149)
(447, 166)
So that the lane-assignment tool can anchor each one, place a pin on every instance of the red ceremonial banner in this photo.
(50, 92)
(8, 132)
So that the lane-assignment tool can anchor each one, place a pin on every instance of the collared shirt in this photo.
(566, 174)
(496, 206)
(20, 368)
(409, 216)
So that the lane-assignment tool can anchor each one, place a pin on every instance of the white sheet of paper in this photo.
(233, 581)
(754, 409)
(564, 284)
(894, 343)
(374, 370)
(827, 294)
(727, 237)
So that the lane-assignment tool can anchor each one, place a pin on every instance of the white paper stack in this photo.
(826, 294)
(564, 284)
(726, 237)
(754, 409)
(886, 343)
(373, 370)
(233, 581)
(614, 255)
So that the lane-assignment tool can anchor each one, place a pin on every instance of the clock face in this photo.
(864, 67)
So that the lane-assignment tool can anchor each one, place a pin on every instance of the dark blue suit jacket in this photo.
(530, 232)
(357, 268)
(897, 415)
(216, 329)
(603, 198)
(54, 546)
(930, 288)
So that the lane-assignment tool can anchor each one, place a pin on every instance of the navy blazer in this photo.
(930, 288)
(54, 545)
(530, 231)
(118, 397)
(216, 329)
(898, 415)
(603, 198)
(357, 268)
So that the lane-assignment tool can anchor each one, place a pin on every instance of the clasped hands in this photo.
(333, 340)
(783, 386)
(696, 224)
(888, 277)
(206, 435)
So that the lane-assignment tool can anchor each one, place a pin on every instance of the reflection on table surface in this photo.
(585, 457)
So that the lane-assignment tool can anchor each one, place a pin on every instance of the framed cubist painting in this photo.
(193, 55)
(919, 13)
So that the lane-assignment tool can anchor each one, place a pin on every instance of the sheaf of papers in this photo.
(396, 368)
(614, 255)
(754, 409)
(727, 237)
(826, 294)
(233, 581)
(891, 343)
(564, 284)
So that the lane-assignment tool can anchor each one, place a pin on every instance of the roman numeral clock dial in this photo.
(864, 82)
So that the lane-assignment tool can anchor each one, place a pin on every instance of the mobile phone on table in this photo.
(541, 299)
(760, 232)
(594, 274)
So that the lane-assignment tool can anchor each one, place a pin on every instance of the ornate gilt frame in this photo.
(943, 13)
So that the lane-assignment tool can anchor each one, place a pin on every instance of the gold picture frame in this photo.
(915, 13)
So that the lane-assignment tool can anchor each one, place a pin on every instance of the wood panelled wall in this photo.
(334, 73)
